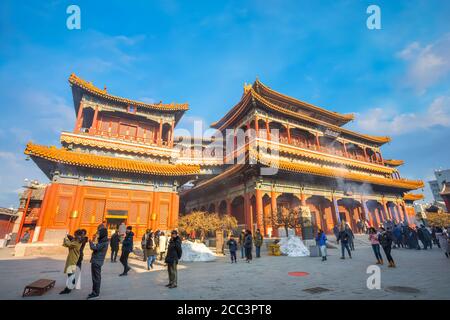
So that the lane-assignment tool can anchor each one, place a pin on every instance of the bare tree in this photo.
(204, 222)
(287, 218)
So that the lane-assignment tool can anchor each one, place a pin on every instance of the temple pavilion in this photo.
(122, 163)
(115, 166)
(332, 173)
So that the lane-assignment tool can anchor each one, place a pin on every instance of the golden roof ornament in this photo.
(247, 87)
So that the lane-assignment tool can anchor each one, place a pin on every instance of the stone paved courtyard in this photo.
(265, 278)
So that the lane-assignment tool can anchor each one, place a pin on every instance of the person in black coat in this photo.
(425, 237)
(248, 246)
(127, 248)
(174, 253)
(232, 246)
(114, 242)
(386, 238)
(99, 249)
(344, 238)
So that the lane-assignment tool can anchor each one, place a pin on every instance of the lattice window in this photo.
(143, 213)
(132, 214)
(99, 211)
(163, 215)
(62, 211)
(88, 210)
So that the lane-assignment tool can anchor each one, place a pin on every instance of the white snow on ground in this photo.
(293, 246)
(194, 251)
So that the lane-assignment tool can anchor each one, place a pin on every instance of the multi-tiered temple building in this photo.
(331, 172)
(120, 163)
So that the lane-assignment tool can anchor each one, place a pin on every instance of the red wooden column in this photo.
(267, 129)
(399, 212)
(288, 133)
(317, 141)
(386, 211)
(257, 126)
(228, 201)
(171, 133)
(273, 207)
(93, 128)
(247, 212)
(79, 119)
(336, 209)
(160, 133)
(259, 210)
(367, 215)
(345, 149)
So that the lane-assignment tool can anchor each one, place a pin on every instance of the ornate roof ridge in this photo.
(91, 88)
(310, 106)
(273, 106)
(340, 173)
(51, 153)
(413, 196)
(393, 162)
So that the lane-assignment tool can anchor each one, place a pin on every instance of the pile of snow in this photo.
(293, 246)
(195, 251)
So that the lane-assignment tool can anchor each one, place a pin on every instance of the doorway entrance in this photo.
(112, 224)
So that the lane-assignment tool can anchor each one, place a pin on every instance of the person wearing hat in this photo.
(174, 253)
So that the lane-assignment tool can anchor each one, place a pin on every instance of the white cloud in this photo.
(13, 171)
(386, 121)
(427, 64)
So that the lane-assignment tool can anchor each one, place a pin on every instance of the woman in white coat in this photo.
(162, 245)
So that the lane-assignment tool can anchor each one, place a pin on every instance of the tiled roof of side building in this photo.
(109, 163)
(92, 89)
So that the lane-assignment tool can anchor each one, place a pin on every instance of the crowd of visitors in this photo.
(157, 246)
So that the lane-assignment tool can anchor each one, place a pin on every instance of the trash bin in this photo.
(314, 251)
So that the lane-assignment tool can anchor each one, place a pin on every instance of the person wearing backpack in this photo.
(386, 238)
(150, 248)
(344, 237)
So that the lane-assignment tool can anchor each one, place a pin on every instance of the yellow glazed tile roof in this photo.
(339, 173)
(251, 94)
(88, 86)
(330, 158)
(118, 145)
(338, 116)
(331, 126)
(109, 163)
(393, 162)
(413, 196)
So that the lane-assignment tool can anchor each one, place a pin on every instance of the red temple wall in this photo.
(69, 207)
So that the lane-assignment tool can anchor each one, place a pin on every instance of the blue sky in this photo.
(396, 80)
